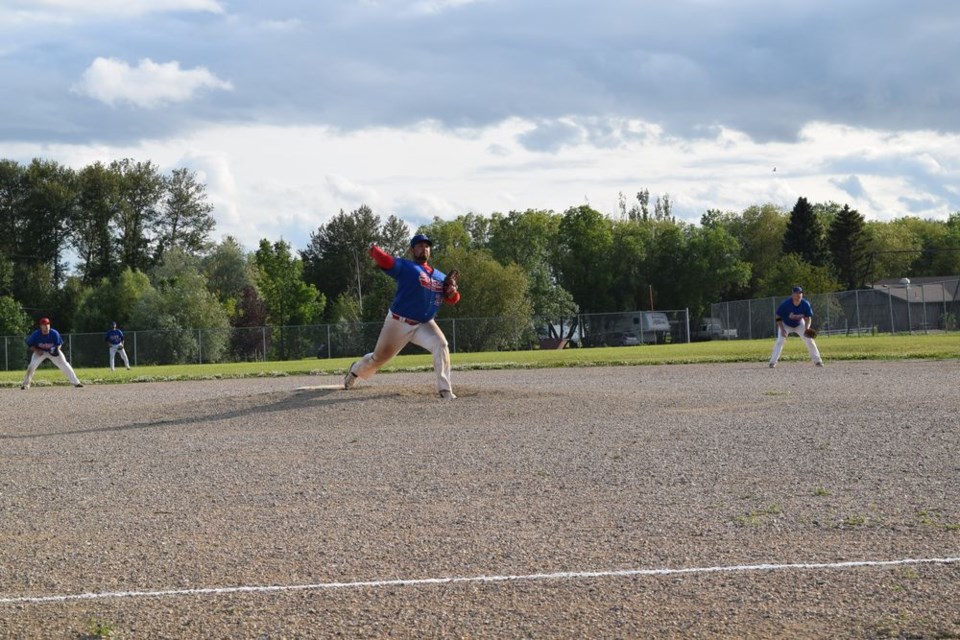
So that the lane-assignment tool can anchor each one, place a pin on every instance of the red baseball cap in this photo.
(44, 321)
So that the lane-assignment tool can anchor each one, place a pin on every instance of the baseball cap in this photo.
(798, 289)
(44, 321)
(420, 238)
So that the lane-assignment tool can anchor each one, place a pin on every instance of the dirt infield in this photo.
(173, 506)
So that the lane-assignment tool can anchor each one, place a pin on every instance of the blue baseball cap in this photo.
(798, 289)
(420, 238)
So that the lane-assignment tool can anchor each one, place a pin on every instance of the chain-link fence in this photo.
(890, 308)
(900, 307)
(341, 340)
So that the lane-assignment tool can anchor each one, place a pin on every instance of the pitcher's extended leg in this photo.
(393, 337)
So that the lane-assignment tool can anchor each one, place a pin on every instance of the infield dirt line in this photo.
(414, 582)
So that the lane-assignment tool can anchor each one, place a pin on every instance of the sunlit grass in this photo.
(833, 348)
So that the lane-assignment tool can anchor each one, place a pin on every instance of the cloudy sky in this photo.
(293, 110)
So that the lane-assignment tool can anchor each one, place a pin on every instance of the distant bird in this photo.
(774, 169)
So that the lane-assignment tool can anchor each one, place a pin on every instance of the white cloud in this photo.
(277, 182)
(291, 24)
(148, 85)
(66, 9)
(438, 6)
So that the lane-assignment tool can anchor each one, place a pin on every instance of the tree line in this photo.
(145, 257)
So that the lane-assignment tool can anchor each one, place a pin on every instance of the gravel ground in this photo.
(219, 484)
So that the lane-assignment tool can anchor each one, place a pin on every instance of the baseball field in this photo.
(696, 500)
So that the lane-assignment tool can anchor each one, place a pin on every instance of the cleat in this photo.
(350, 379)
(78, 385)
(819, 364)
(773, 364)
(446, 394)
(24, 387)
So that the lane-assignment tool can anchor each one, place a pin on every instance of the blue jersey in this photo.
(45, 342)
(114, 336)
(419, 292)
(793, 314)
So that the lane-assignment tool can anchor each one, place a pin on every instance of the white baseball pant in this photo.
(394, 336)
(782, 339)
(114, 348)
(60, 360)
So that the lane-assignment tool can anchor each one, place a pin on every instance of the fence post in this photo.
(923, 305)
(856, 300)
(329, 347)
(890, 303)
(686, 313)
(943, 297)
(6, 353)
(454, 333)
(909, 310)
(263, 334)
(199, 346)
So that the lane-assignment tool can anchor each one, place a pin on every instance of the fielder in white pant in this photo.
(421, 290)
(45, 344)
(114, 339)
(794, 315)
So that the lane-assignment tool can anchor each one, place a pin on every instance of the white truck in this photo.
(712, 329)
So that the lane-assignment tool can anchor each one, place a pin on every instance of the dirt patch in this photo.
(252, 483)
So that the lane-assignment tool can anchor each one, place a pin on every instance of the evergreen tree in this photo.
(805, 235)
(848, 247)
(337, 258)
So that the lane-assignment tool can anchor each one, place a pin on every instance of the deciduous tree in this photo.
(185, 219)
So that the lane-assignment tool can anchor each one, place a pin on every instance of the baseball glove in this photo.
(450, 283)
(55, 352)
(810, 333)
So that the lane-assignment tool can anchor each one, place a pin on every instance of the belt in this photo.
(402, 319)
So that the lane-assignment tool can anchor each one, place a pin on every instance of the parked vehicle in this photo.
(712, 329)
(629, 339)
(637, 327)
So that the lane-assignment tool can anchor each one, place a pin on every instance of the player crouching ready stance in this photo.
(45, 344)
(795, 315)
(421, 289)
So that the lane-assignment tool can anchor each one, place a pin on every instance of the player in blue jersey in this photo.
(794, 315)
(114, 339)
(45, 343)
(421, 289)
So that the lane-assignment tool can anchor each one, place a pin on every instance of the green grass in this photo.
(834, 348)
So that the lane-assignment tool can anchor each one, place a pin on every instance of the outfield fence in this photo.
(896, 307)
(340, 340)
